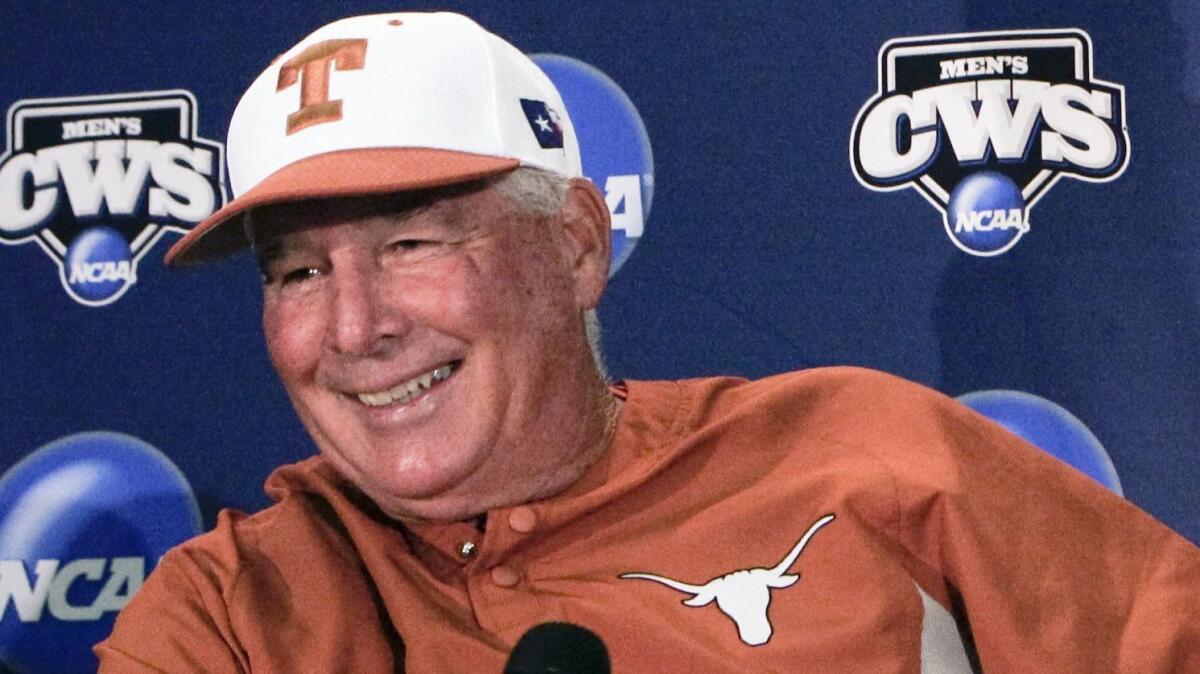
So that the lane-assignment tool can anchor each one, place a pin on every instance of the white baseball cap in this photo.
(380, 104)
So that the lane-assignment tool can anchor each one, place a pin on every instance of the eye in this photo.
(410, 244)
(299, 275)
(413, 251)
(278, 267)
(272, 275)
(413, 245)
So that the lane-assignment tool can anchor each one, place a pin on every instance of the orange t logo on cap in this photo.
(312, 68)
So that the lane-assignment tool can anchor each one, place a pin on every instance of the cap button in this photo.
(505, 576)
(522, 519)
(466, 549)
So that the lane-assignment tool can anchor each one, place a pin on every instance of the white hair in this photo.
(534, 191)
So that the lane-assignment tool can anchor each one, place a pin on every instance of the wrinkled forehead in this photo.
(452, 204)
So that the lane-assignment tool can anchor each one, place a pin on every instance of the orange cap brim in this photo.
(345, 173)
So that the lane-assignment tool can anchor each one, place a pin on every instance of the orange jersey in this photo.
(815, 521)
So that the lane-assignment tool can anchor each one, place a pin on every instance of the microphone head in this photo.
(558, 648)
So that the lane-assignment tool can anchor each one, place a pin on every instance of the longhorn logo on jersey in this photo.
(984, 124)
(95, 181)
(745, 594)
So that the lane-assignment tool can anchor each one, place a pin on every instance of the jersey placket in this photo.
(498, 584)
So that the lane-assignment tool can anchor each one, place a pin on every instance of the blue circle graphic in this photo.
(986, 214)
(1050, 427)
(613, 144)
(82, 520)
(99, 264)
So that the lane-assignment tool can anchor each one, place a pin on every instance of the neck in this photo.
(548, 461)
(600, 425)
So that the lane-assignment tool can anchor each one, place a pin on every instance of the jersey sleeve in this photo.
(178, 621)
(1051, 571)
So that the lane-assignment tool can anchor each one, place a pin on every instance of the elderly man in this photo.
(431, 259)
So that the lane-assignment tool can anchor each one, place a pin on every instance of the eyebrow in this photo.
(268, 252)
(266, 249)
(407, 206)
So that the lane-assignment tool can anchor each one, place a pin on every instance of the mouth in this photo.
(408, 391)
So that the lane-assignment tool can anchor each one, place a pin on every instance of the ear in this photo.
(588, 241)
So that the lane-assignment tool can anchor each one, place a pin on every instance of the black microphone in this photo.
(558, 648)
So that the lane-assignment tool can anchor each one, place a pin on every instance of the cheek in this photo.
(461, 296)
(294, 333)
(545, 275)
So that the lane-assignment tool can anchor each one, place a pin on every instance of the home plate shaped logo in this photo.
(984, 124)
(96, 181)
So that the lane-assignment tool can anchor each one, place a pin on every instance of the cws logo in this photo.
(97, 180)
(984, 124)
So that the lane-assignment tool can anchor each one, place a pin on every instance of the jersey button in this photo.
(505, 576)
(522, 519)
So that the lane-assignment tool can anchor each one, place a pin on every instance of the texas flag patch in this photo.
(544, 123)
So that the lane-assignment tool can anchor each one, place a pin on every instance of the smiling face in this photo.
(434, 347)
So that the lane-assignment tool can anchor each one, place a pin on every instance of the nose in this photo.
(362, 318)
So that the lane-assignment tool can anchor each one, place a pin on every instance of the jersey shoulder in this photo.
(851, 400)
(239, 544)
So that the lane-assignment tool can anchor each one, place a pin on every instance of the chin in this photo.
(409, 478)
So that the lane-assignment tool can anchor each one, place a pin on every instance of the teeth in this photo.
(408, 390)
(375, 399)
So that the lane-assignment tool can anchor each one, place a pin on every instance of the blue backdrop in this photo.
(763, 252)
